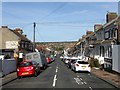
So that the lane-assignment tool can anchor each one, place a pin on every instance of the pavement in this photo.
(8, 78)
(113, 79)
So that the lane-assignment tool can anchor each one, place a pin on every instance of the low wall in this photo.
(7, 66)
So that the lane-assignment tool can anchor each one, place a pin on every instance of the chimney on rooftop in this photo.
(83, 36)
(110, 16)
(25, 35)
(97, 27)
(89, 32)
(19, 30)
(4, 26)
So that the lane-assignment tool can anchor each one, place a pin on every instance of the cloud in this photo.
(74, 13)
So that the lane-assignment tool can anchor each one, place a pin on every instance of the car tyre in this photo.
(19, 77)
(35, 74)
(75, 70)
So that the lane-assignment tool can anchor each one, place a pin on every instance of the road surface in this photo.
(57, 75)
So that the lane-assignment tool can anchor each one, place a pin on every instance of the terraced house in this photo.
(108, 41)
(102, 44)
(14, 41)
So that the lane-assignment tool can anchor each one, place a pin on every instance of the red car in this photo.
(27, 68)
(48, 60)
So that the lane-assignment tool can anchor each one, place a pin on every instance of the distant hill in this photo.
(57, 45)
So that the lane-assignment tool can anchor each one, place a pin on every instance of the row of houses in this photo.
(12, 41)
(103, 43)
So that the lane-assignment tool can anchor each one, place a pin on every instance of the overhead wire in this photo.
(55, 10)
(40, 34)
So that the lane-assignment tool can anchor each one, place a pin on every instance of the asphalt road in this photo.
(57, 75)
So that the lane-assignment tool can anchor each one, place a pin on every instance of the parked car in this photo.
(52, 58)
(27, 68)
(48, 59)
(38, 57)
(69, 64)
(80, 65)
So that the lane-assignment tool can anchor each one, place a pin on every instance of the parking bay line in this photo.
(78, 81)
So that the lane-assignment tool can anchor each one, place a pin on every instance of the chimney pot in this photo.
(110, 16)
(4, 26)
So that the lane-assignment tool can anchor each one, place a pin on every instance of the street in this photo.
(57, 75)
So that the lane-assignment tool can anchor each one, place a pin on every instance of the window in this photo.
(35, 55)
(25, 64)
(107, 35)
(82, 62)
(29, 57)
(115, 34)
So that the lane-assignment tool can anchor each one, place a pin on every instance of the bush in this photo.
(94, 63)
(7, 56)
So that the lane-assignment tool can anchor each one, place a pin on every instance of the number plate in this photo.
(83, 67)
(25, 73)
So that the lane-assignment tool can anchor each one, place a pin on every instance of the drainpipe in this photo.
(81, 49)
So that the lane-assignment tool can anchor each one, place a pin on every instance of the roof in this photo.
(22, 37)
(105, 25)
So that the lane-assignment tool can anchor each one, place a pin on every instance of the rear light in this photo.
(77, 64)
(31, 67)
(18, 70)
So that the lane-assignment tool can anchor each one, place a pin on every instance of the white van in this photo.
(38, 57)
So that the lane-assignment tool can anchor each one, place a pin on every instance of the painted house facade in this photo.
(14, 41)
(103, 44)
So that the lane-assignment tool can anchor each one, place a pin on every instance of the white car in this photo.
(80, 65)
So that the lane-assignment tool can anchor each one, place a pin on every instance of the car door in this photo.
(73, 64)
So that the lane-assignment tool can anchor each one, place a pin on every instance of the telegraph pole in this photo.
(34, 25)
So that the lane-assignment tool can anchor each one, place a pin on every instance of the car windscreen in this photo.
(25, 64)
(82, 62)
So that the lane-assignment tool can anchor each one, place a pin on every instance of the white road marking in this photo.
(54, 80)
(77, 80)
(82, 83)
(85, 83)
(56, 70)
(81, 79)
(90, 88)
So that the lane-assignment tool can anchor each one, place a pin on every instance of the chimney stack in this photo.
(97, 27)
(25, 35)
(110, 16)
(83, 36)
(4, 26)
(89, 32)
(19, 30)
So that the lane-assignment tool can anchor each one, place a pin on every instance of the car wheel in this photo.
(75, 70)
(35, 74)
(19, 77)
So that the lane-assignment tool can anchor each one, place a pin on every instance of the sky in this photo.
(56, 21)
